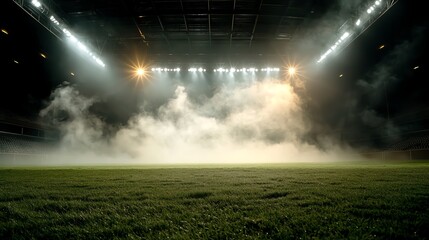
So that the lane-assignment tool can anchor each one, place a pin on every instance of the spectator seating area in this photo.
(411, 143)
(22, 144)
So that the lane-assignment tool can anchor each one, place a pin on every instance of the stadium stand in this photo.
(411, 143)
(22, 144)
(24, 140)
(410, 146)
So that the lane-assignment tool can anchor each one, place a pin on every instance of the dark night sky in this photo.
(25, 87)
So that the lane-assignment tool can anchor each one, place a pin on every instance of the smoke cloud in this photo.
(254, 122)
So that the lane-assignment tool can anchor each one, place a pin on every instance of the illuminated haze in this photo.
(251, 121)
(217, 118)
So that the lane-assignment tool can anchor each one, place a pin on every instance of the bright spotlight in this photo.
(140, 72)
(291, 71)
(36, 3)
(345, 35)
(4, 31)
(52, 18)
(358, 22)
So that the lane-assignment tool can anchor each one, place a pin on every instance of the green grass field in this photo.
(307, 201)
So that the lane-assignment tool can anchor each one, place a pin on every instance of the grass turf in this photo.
(346, 201)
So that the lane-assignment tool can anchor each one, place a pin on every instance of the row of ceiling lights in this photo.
(347, 34)
(63, 28)
(220, 70)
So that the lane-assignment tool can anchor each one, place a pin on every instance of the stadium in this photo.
(217, 119)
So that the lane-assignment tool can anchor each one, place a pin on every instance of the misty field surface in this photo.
(345, 201)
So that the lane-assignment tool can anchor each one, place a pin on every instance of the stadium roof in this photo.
(180, 30)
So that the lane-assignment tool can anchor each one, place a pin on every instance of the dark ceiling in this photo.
(176, 30)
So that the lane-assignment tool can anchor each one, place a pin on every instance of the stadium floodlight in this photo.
(194, 69)
(349, 32)
(270, 69)
(140, 71)
(36, 3)
(46, 16)
(54, 20)
(345, 35)
(291, 71)
(82, 47)
(358, 22)
(164, 69)
(97, 60)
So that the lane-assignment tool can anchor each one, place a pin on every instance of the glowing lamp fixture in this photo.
(54, 20)
(158, 69)
(82, 47)
(36, 3)
(62, 27)
(358, 22)
(193, 69)
(140, 71)
(371, 13)
(333, 47)
(245, 70)
(372, 8)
